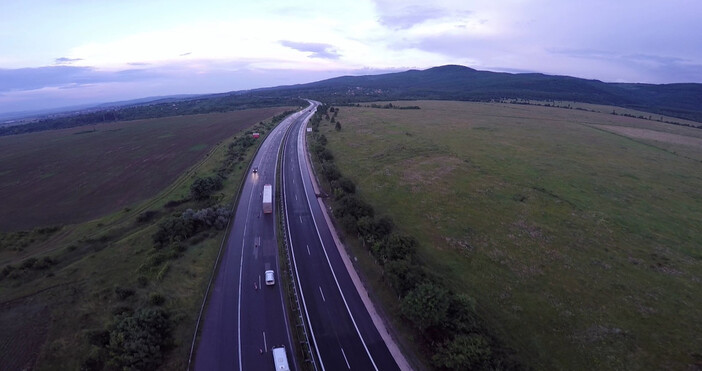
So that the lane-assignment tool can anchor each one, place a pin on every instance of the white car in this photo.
(270, 279)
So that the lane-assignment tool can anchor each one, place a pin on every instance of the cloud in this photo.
(663, 68)
(185, 54)
(318, 50)
(67, 76)
(65, 60)
(401, 15)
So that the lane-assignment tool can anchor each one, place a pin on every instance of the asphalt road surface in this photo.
(244, 317)
(342, 331)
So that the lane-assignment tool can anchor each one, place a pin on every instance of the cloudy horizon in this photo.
(76, 52)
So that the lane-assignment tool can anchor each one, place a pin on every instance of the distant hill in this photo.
(161, 107)
(25, 116)
(450, 82)
(453, 82)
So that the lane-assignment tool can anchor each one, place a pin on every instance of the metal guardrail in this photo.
(293, 296)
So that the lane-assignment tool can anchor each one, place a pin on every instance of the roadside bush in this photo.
(189, 223)
(352, 205)
(404, 276)
(426, 306)
(173, 229)
(330, 171)
(342, 186)
(325, 154)
(464, 352)
(374, 230)
(139, 341)
(207, 218)
(461, 315)
(348, 223)
(202, 188)
(395, 247)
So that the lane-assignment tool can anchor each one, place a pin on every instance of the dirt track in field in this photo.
(653, 135)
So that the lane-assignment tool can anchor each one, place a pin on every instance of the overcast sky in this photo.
(56, 53)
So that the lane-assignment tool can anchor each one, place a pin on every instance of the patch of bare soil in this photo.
(653, 135)
(422, 172)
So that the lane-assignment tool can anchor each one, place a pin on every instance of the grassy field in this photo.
(51, 314)
(73, 175)
(577, 232)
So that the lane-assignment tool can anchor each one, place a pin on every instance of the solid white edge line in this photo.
(297, 274)
(314, 220)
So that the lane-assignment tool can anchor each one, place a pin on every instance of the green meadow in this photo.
(576, 232)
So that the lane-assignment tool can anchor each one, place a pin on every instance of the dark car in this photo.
(255, 169)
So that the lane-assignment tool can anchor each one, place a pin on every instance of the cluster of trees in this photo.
(203, 188)
(447, 323)
(133, 341)
(179, 228)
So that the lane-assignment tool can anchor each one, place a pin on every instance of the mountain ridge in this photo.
(456, 82)
(448, 82)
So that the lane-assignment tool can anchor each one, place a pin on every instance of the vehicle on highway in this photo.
(270, 277)
(280, 358)
(255, 169)
(267, 199)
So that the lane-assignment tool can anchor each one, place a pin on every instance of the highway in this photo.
(244, 318)
(342, 331)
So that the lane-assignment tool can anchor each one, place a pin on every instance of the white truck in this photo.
(267, 199)
(280, 359)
